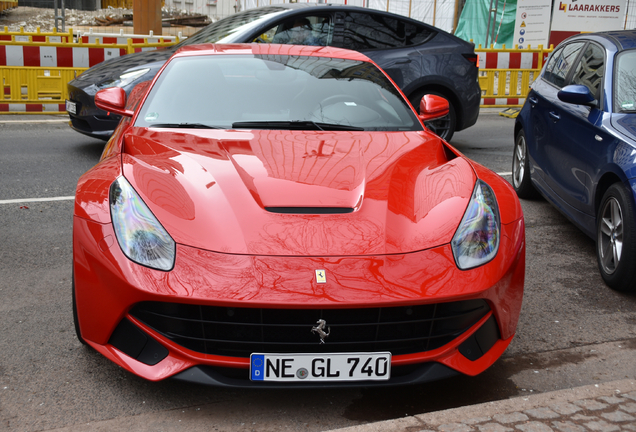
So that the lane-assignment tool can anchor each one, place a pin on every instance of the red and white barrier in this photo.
(52, 56)
(502, 101)
(508, 60)
(32, 108)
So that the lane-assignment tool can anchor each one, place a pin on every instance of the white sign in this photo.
(532, 26)
(575, 16)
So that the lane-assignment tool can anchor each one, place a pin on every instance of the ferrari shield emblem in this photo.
(321, 276)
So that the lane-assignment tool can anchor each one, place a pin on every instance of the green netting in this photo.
(473, 22)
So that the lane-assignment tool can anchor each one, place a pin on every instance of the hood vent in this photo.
(309, 210)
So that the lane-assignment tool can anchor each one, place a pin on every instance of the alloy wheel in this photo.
(610, 236)
(519, 161)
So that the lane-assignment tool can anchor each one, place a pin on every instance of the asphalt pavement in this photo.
(609, 405)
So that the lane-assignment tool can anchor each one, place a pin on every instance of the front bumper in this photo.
(108, 286)
(88, 119)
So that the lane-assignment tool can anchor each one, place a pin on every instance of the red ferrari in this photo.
(278, 216)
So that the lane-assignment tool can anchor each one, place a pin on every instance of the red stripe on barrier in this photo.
(4, 107)
(95, 56)
(7, 90)
(3, 56)
(109, 40)
(61, 107)
(137, 40)
(515, 61)
(5, 38)
(491, 60)
(489, 101)
(513, 101)
(34, 108)
(85, 39)
(535, 60)
(31, 56)
(64, 57)
(38, 38)
(123, 51)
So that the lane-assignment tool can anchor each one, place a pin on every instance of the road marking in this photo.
(35, 121)
(30, 200)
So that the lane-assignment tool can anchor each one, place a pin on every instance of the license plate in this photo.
(321, 367)
(71, 107)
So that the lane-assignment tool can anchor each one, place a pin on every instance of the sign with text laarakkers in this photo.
(571, 17)
(532, 25)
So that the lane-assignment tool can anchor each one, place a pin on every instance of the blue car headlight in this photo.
(139, 234)
(476, 241)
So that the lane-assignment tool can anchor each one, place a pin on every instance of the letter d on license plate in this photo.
(321, 367)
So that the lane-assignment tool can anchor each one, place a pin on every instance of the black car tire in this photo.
(75, 320)
(616, 239)
(443, 127)
(521, 168)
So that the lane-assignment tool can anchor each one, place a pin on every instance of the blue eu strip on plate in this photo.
(257, 367)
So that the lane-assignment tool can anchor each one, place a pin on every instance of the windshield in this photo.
(218, 31)
(275, 92)
(625, 82)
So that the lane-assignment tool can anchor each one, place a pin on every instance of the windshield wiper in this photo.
(294, 125)
(184, 126)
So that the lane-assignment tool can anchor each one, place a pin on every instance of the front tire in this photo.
(616, 239)
(443, 127)
(521, 181)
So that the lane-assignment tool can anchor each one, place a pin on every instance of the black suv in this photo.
(421, 59)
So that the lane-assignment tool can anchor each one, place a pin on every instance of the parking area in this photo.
(573, 329)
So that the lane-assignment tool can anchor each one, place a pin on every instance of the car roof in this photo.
(269, 49)
(339, 7)
(623, 39)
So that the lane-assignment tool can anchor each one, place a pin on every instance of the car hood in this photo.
(262, 192)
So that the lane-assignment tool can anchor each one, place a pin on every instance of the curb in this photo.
(483, 412)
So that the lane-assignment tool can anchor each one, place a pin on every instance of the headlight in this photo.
(124, 79)
(477, 239)
(139, 234)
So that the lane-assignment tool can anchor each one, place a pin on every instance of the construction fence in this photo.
(8, 4)
(35, 67)
(505, 74)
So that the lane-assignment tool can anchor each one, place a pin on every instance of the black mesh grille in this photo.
(238, 332)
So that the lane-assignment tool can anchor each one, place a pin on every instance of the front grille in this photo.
(239, 332)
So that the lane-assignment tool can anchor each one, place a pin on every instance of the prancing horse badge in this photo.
(321, 276)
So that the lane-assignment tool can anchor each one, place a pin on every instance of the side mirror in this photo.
(113, 100)
(433, 107)
(577, 94)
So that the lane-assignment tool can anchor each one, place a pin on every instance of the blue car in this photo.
(575, 144)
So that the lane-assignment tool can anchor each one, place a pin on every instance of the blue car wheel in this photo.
(616, 239)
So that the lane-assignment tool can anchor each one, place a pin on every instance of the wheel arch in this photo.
(518, 127)
(604, 183)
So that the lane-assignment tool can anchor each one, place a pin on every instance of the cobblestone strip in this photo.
(589, 410)
(606, 407)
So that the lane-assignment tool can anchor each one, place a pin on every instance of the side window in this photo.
(589, 71)
(363, 31)
(307, 30)
(561, 62)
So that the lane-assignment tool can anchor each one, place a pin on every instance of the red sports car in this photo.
(278, 216)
